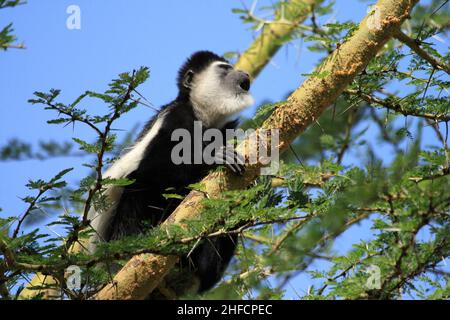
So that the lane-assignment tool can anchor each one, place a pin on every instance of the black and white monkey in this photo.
(210, 91)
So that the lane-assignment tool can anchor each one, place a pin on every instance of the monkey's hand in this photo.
(231, 159)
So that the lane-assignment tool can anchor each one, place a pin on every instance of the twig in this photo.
(444, 172)
(12, 262)
(74, 117)
(441, 138)
(397, 107)
(13, 46)
(344, 227)
(348, 129)
(4, 291)
(414, 45)
(103, 136)
(288, 233)
(344, 272)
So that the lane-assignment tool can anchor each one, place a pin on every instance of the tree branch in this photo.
(397, 107)
(267, 44)
(13, 46)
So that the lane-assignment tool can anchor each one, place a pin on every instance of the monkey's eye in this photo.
(225, 66)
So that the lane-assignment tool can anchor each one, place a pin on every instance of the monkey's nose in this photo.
(245, 82)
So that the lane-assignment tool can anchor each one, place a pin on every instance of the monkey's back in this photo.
(142, 204)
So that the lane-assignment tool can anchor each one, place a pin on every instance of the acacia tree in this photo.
(289, 220)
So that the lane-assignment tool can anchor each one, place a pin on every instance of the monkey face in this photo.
(220, 91)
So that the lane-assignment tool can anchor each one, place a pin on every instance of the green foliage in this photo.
(34, 250)
(6, 36)
(405, 200)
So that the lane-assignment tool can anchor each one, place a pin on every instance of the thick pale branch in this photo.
(252, 61)
(143, 273)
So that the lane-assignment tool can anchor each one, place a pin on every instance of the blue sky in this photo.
(118, 36)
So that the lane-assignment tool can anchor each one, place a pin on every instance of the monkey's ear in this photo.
(187, 79)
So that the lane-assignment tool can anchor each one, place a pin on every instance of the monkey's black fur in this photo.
(197, 63)
(142, 203)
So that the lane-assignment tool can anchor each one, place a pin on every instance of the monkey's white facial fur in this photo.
(219, 92)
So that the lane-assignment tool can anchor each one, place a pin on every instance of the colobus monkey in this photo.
(210, 91)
